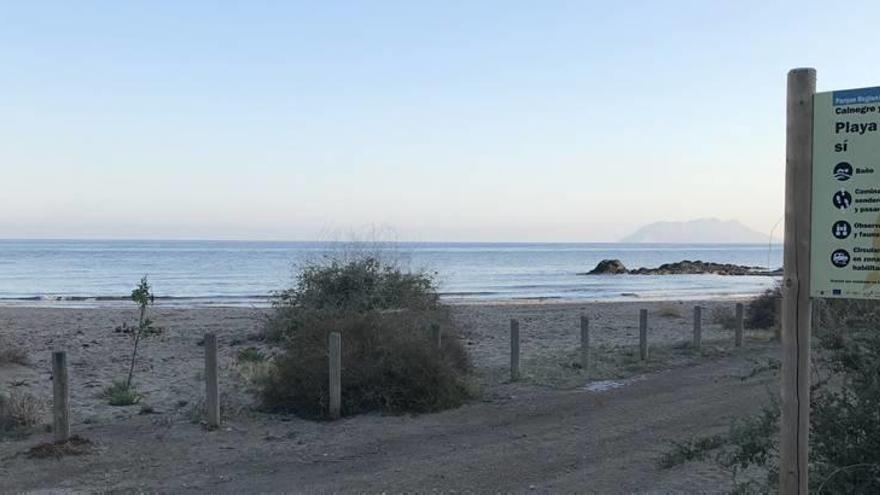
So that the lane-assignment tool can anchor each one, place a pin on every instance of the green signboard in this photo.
(845, 235)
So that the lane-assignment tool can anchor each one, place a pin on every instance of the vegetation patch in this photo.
(76, 445)
(845, 397)
(10, 354)
(389, 361)
(669, 311)
(761, 311)
(251, 355)
(121, 393)
(19, 411)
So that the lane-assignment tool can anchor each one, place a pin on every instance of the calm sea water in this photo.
(246, 273)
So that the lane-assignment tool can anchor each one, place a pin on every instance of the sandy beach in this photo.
(169, 370)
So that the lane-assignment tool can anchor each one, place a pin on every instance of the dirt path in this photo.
(522, 438)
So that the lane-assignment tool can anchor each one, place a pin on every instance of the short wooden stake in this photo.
(740, 324)
(777, 320)
(61, 397)
(585, 344)
(698, 328)
(212, 387)
(436, 335)
(514, 350)
(335, 375)
(643, 334)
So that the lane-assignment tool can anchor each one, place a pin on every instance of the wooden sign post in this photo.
(796, 305)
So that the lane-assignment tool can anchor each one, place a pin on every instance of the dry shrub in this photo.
(10, 354)
(389, 362)
(76, 445)
(669, 311)
(724, 316)
(18, 410)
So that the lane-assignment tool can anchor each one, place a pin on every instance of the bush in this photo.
(251, 355)
(389, 362)
(18, 410)
(10, 354)
(761, 311)
(669, 311)
(121, 393)
(845, 397)
(724, 316)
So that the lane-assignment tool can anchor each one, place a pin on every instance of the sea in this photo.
(82, 273)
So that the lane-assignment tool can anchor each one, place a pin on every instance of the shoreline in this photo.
(265, 302)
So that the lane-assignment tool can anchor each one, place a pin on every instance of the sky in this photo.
(437, 121)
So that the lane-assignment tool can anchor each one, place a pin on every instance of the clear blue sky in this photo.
(556, 121)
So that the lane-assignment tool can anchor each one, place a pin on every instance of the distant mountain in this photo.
(710, 230)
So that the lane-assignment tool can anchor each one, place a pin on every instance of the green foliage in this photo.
(142, 296)
(121, 393)
(389, 360)
(690, 450)
(348, 287)
(845, 400)
(761, 311)
(251, 355)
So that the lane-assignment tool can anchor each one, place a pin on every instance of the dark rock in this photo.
(608, 267)
(686, 267)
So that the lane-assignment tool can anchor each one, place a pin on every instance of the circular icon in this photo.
(841, 229)
(843, 171)
(840, 258)
(842, 200)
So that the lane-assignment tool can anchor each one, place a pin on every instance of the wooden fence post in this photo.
(335, 375)
(212, 387)
(514, 350)
(777, 320)
(698, 327)
(61, 397)
(740, 324)
(585, 344)
(643, 334)
(436, 335)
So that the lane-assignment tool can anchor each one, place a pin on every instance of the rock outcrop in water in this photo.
(686, 267)
(608, 267)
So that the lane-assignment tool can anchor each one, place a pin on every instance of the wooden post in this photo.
(212, 388)
(777, 319)
(514, 350)
(585, 344)
(698, 328)
(796, 305)
(740, 324)
(436, 335)
(335, 375)
(643, 334)
(61, 397)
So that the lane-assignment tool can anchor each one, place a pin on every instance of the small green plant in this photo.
(121, 393)
(251, 355)
(144, 298)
